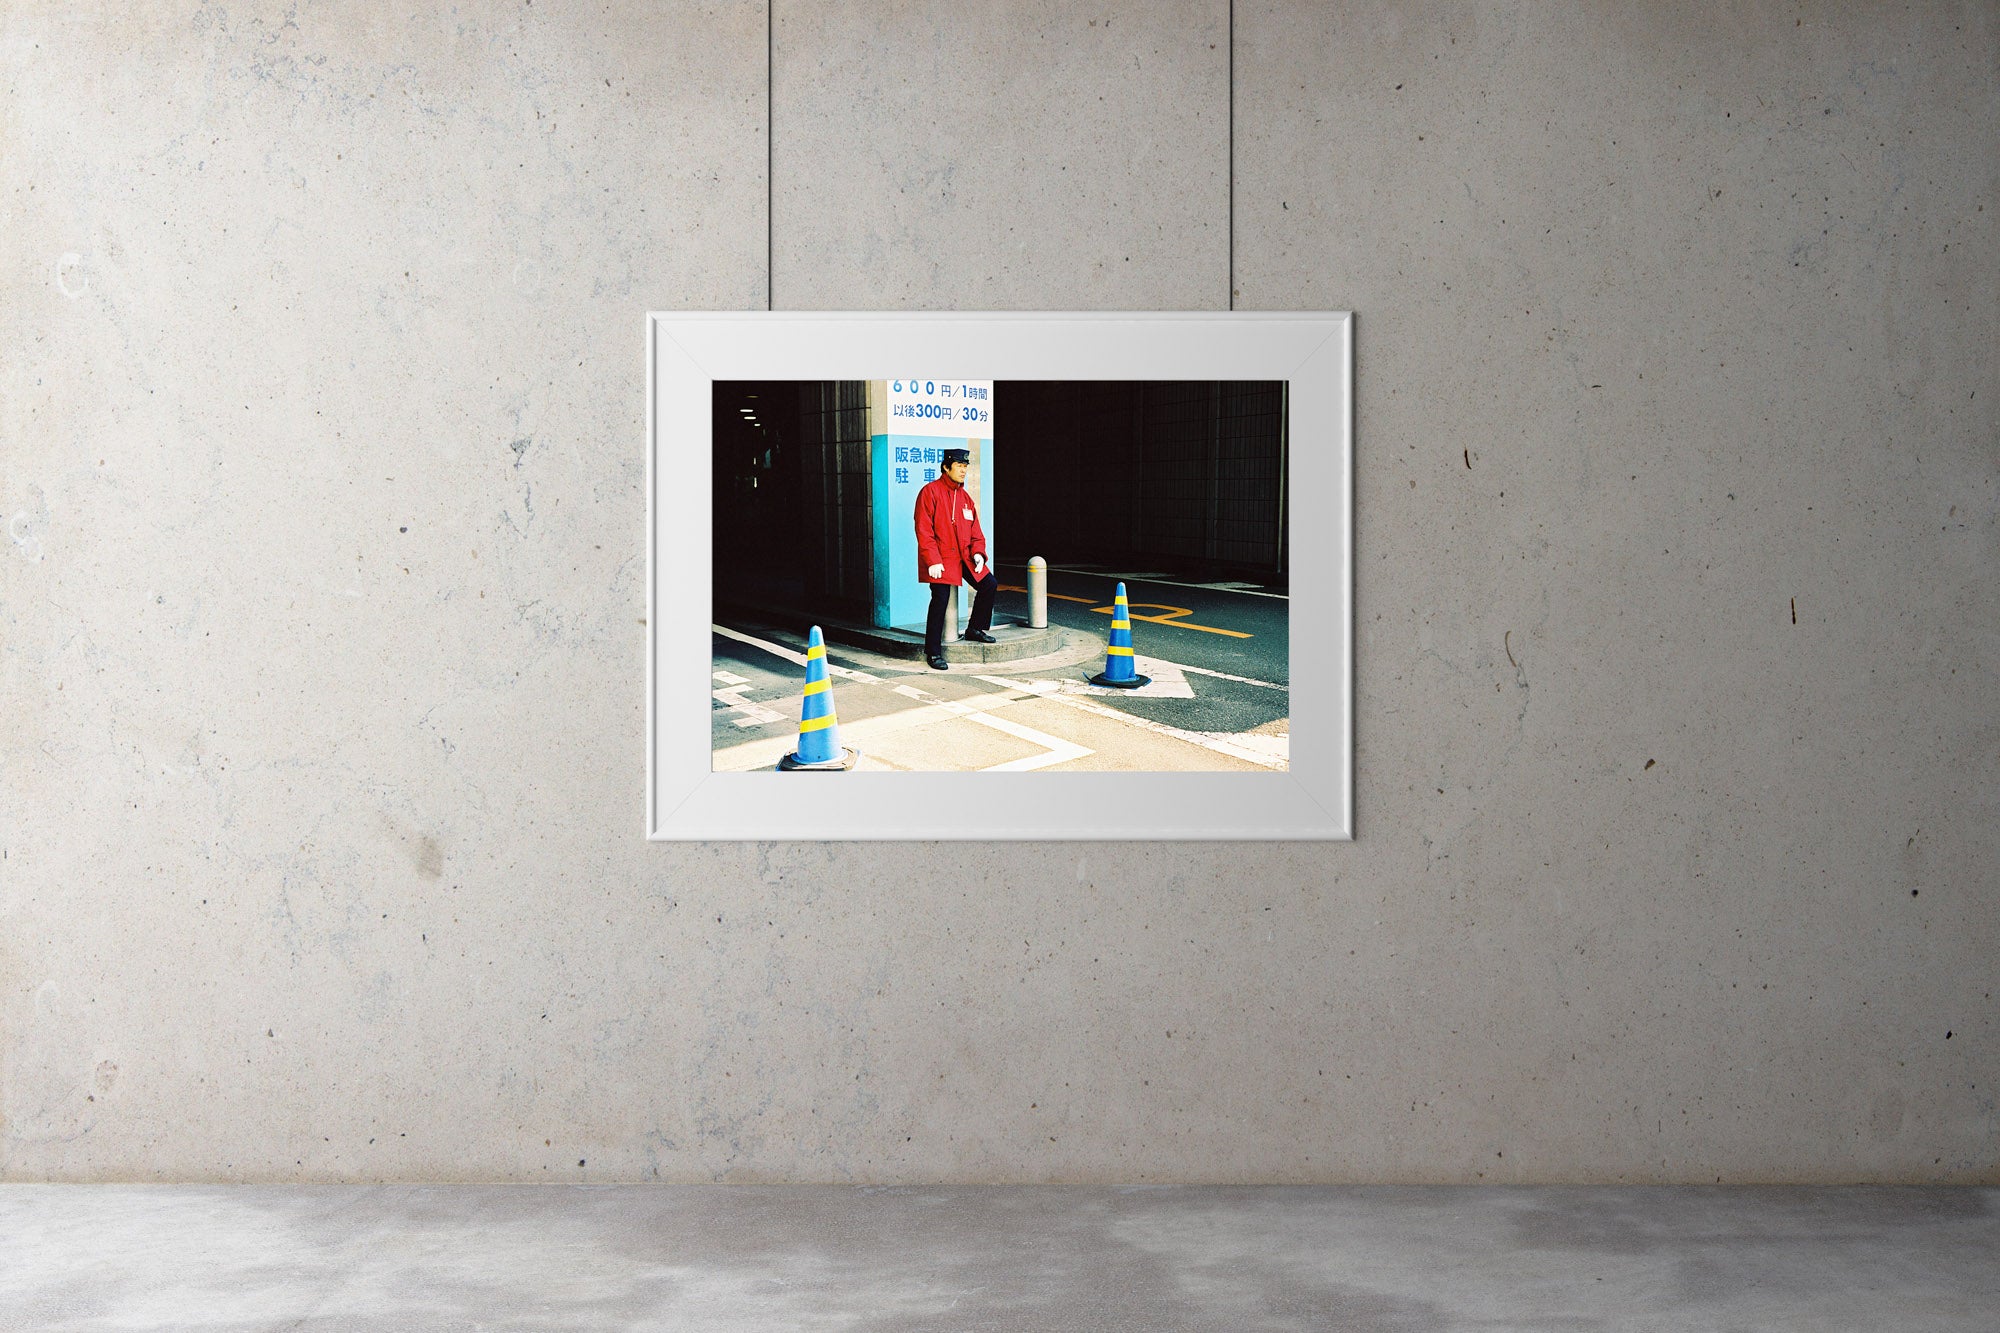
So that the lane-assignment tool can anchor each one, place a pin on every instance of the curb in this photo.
(1016, 642)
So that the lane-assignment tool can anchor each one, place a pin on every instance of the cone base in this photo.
(791, 763)
(1130, 683)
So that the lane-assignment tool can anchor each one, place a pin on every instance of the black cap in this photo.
(950, 456)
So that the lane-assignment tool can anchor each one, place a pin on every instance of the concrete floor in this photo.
(747, 1258)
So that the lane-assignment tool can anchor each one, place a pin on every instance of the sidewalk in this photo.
(778, 601)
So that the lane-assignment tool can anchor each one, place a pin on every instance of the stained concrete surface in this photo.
(1034, 156)
(1409, 1259)
(1677, 605)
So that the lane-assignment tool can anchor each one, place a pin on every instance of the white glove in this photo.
(978, 562)
(935, 571)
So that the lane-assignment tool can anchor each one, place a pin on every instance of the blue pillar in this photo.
(911, 422)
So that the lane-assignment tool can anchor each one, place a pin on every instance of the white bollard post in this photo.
(1038, 593)
(951, 634)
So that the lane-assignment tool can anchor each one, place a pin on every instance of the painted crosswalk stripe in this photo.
(795, 658)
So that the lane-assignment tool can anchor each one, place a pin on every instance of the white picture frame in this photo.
(686, 353)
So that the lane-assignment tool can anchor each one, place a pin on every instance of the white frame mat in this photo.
(687, 353)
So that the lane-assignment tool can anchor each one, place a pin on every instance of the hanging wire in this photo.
(770, 153)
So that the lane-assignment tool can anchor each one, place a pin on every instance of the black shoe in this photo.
(980, 636)
(938, 664)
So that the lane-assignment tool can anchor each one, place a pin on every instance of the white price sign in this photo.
(950, 409)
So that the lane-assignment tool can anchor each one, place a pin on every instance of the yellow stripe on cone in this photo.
(819, 747)
(1119, 664)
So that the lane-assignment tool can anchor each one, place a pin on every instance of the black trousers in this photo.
(982, 609)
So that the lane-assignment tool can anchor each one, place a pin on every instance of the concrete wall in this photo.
(1678, 651)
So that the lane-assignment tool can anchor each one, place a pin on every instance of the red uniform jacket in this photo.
(948, 531)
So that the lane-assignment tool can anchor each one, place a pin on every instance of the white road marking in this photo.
(729, 678)
(979, 709)
(1241, 680)
(750, 714)
(1265, 751)
(1220, 742)
(862, 735)
(974, 704)
(1278, 747)
(795, 658)
(859, 735)
(1168, 682)
(1171, 583)
(1059, 751)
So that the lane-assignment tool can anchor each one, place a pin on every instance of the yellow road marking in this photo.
(1059, 596)
(1173, 617)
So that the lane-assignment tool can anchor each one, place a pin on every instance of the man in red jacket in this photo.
(951, 548)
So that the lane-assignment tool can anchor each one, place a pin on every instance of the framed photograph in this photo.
(999, 576)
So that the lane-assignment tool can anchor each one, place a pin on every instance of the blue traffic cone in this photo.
(1119, 672)
(819, 730)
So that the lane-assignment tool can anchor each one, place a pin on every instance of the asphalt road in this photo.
(1214, 633)
(1241, 632)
